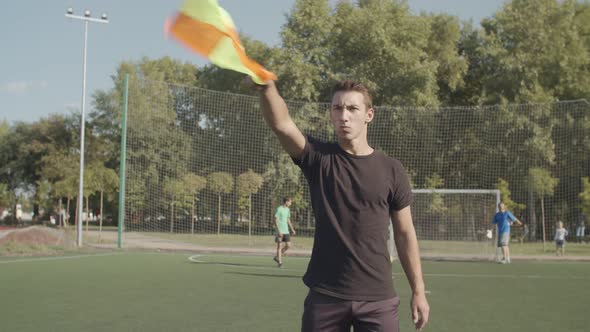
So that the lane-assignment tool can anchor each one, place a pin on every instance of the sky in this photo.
(42, 50)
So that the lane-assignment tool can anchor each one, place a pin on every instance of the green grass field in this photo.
(149, 291)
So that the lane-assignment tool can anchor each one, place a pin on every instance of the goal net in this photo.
(202, 168)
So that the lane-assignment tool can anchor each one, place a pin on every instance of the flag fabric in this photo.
(206, 28)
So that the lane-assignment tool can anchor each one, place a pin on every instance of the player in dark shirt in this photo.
(355, 190)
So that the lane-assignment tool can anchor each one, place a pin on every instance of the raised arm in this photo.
(406, 243)
(276, 115)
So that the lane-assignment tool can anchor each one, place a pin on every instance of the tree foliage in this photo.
(585, 196)
(530, 51)
(505, 197)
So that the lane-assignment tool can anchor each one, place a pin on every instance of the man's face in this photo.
(502, 207)
(288, 203)
(350, 115)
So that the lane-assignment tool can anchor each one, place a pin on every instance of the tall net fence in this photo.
(203, 168)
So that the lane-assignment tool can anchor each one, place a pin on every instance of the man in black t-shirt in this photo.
(355, 190)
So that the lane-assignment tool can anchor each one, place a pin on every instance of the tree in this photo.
(68, 188)
(173, 190)
(437, 203)
(220, 183)
(585, 196)
(152, 120)
(103, 180)
(531, 62)
(182, 194)
(61, 168)
(4, 198)
(135, 199)
(505, 194)
(391, 59)
(4, 191)
(443, 44)
(4, 128)
(194, 184)
(89, 189)
(404, 63)
(542, 184)
(304, 63)
(248, 184)
(15, 166)
(43, 197)
(283, 178)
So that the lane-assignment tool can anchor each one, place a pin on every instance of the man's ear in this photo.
(370, 115)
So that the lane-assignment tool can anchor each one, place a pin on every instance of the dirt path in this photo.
(140, 241)
(145, 242)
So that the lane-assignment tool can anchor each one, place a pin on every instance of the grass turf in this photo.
(146, 291)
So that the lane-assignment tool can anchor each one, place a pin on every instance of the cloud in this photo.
(22, 87)
(73, 105)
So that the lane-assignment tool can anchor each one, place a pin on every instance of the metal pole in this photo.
(122, 163)
(82, 131)
(86, 18)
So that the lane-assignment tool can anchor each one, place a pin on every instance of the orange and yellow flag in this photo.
(206, 28)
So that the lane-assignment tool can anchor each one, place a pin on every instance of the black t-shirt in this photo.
(352, 198)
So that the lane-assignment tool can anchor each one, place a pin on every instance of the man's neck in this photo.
(356, 147)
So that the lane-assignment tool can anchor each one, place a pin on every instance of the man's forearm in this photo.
(409, 256)
(276, 116)
(274, 108)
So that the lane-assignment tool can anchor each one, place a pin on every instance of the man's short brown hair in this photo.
(350, 85)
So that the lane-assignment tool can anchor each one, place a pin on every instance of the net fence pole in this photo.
(495, 239)
(122, 164)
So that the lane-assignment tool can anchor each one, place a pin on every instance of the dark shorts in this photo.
(323, 313)
(284, 238)
(559, 243)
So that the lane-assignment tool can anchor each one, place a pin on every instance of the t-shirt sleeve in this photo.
(309, 157)
(277, 213)
(402, 192)
(510, 216)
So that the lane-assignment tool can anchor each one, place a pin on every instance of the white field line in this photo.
(195, 259)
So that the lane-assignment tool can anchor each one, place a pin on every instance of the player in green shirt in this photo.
(282, 235)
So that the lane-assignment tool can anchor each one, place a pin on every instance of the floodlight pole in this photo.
(86, 18)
